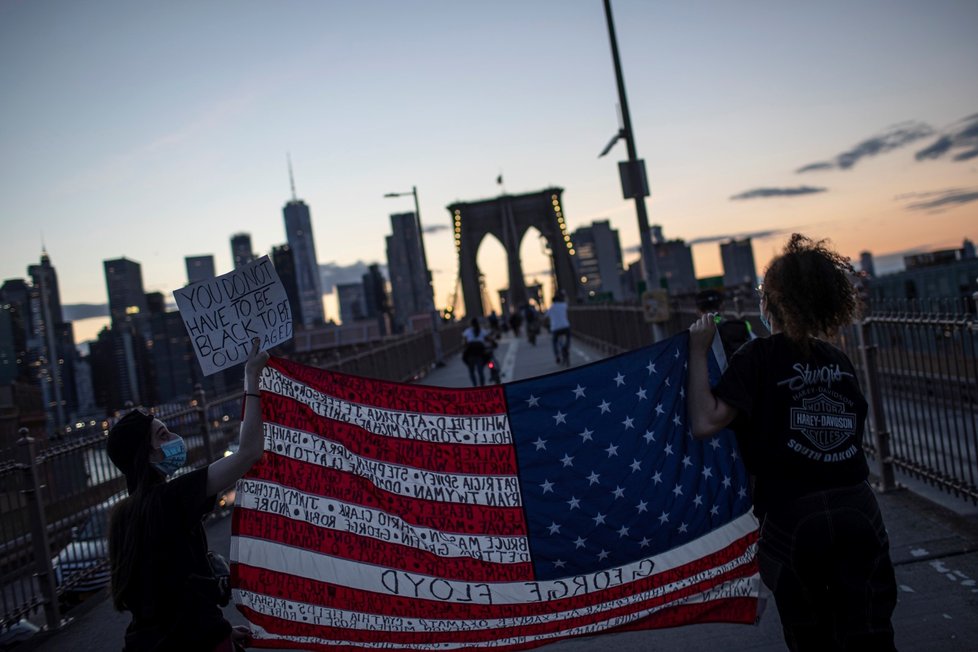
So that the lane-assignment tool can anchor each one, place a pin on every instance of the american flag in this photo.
(408, 517)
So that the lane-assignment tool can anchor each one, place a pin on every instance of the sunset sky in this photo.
(156, 130)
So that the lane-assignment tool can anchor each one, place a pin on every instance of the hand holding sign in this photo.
(223, 314)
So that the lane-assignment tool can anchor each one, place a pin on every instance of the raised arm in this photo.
(706, 413)
(224, 472)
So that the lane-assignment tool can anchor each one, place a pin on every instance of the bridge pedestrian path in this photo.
(517, 359)
(934, 550)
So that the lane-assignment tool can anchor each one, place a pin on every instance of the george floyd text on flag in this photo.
(223, 314)
(396, 516)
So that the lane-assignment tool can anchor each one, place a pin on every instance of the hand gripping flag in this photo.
(407, 517)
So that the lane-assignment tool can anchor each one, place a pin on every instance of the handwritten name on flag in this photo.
(407, 517)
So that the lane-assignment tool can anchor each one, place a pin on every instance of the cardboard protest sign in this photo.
(224, 313)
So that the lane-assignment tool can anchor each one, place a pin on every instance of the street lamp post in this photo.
(634, 182)
(430, 294)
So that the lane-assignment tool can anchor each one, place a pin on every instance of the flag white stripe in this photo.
(403, 480)
(746, 587)
(332, 617)
(365, 577)
(417, 426)
(273, 498)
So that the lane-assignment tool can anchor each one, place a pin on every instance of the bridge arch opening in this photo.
(538, 271)
(491, 262)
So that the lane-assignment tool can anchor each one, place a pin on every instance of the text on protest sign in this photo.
(223, 314)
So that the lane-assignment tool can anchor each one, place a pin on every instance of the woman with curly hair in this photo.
(794, 403)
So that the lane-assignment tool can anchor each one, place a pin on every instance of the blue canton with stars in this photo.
(608, 469)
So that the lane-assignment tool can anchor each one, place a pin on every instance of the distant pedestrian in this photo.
(161, 570)
(794, 403)
(560, 328)
(532, 321)
(474, 353)
(515, 322)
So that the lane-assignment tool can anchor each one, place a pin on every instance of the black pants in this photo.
(826, 558)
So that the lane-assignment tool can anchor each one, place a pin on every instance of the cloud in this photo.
(963, 135)
(893, 138)
(937, 201)
(754, 235)
(76, 311)
(760, 193)
(435, 228)
(333, 274)
(811, 167)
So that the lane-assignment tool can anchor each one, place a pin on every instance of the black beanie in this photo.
(127, 437)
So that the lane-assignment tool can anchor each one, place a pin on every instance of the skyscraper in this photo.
(8, 345)
(598, 260)
(15, 297)
(124, 284)
(126, 343)
(45, 279)
(298, 231)
(351, 297)
(54, 343)
(866, 263)
(674, 260)
(241, 252)
(375, 300)
(201, 268)
(284, 265)
(738, 263)
(409, 278)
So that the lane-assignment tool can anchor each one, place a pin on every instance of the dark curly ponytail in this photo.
(808, 291)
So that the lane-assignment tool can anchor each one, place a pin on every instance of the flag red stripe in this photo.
(353, 489)
(730, 610)
(396, 396)
(721, 610)
(671, 616)
(300, 589)
(272, 527)
(488, 459)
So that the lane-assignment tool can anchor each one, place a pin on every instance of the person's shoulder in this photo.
(830, 351)
(759, 345)
(188, 483)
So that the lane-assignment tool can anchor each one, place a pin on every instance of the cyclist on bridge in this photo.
(560, 327)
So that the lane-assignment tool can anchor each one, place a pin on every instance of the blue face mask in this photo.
(174, 456)
(764, 320)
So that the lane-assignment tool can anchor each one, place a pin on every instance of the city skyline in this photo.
(156, 133)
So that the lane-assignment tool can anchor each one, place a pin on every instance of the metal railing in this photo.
(55, 498)
(402, 359)
(918, 363)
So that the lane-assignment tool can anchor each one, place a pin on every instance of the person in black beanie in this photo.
(161, 571)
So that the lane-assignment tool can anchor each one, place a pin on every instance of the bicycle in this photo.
(563, 352)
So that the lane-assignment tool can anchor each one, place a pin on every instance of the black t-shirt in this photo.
(173, 601)
(733, 335)
(800, 418)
